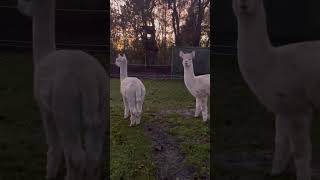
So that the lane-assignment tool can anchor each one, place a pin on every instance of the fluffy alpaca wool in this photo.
(70, 89)
(198, 86)
(285, 79)
(132, 91)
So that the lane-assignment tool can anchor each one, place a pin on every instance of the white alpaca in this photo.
(285, 79)
(198, 86)
(70, 89)
(132, 91)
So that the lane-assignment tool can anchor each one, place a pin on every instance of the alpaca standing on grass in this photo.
(132, 91)
(198, 86)
(70, 89)
(285, 79)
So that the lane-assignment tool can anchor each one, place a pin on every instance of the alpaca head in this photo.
(246, 7)
(187, 58)
(121, 60)
(26, 7)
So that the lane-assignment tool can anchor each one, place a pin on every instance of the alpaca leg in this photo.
(75, 156)
(66, 112)
(94, 145)
(75, 160)
(282, 147)
(126, 107)
(299, 135)
(94, 118)
(138, 118)
(198, 108)
(139, 109)
(139, 105)
(204, 108)
(133, 110)
(55, 151)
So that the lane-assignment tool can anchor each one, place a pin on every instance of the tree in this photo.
(177, 23)
(191, 30)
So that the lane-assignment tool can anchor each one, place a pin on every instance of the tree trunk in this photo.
(197, 34)
(176, 23)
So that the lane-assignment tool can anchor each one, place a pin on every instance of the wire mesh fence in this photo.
(172, 70)
(201, 62)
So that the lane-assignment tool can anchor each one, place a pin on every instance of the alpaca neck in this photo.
(123, 72)
(43, 29)
(189, 75)
(253, 39)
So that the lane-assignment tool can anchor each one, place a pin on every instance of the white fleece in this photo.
(132, 91)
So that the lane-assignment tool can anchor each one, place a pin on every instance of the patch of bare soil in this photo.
(166, 154)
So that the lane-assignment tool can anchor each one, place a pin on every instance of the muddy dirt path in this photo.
(166, 154)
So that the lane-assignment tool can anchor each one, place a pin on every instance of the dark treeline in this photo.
(151, 28)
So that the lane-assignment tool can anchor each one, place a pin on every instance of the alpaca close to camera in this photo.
(70, 89)
(198, 86)
(132, 91)
(285, 79)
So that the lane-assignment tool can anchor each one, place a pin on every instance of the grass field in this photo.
(244, 129)
(22, 142)
(131, 147)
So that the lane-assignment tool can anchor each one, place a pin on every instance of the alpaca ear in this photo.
(181, 54)
(193, 54)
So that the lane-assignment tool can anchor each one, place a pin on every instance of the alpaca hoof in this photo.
(205, 119)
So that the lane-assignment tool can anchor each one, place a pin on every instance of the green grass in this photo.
(194, 139)
(22, 139)
(129, 146)
(22, 142)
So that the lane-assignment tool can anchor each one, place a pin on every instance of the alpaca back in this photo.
(133, 89)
